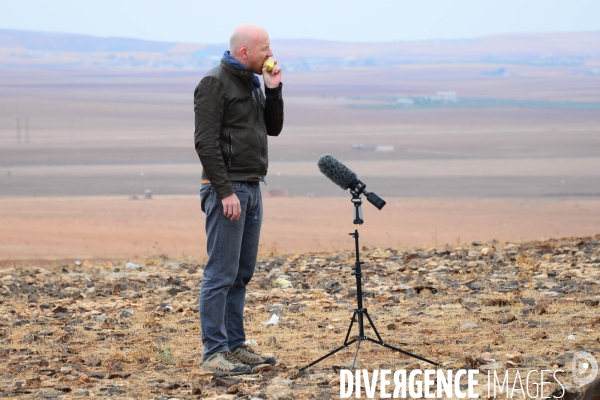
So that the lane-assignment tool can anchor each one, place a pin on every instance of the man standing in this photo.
(233, 118)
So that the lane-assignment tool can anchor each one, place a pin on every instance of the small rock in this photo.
(66, 370)
(60, 309)
(63, 388)
(515, 357)
(271, 341)
(225, 382)
(468, 325)
(591, 302)
(160, 340)
(280, 392)
(49, 395)
(117, 367)
(32, 381)
(491, 367)
(540, 335)
(233, 389)
(75, 359)
(472, 306)
(527, 310)
(508, 319)
(540, 308)
(261, 368)
(120, 375)
(331, 284)
(170, 385)
(115, 390)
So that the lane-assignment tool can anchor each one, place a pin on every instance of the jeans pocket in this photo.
(237, 186)
(206, 192)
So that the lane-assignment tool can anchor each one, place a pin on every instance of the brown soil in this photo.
(105, 329)
(117, 227)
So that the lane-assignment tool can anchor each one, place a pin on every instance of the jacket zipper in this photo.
(262, 137)
(230, 151)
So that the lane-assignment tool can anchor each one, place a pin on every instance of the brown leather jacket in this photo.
(232, 124)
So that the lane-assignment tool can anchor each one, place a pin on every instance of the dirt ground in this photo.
(107, 328)
(118, 227)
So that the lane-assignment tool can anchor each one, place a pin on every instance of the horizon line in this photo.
(301, 39)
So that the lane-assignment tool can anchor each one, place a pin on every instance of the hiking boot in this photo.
(247, 355)
(223, 364)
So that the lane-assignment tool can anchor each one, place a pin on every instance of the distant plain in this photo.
(114, 133)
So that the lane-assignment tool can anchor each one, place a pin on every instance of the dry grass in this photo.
(122, 329)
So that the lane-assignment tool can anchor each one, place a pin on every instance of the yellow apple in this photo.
(270, 63)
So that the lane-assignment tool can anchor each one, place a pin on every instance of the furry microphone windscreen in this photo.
(336, 171)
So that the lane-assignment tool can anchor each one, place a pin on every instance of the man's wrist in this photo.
(273, 90)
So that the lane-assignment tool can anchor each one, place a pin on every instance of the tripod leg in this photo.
(328, 354)
(381, 342)
(350, 328)
(356, 354)
(373, 326)
(346, 344)
(403, 352)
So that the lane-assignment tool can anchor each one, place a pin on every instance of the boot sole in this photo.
(222, 373)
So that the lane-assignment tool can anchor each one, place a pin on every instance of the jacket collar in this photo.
(233, 65)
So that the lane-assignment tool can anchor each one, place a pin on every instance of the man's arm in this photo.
(209, 107)
(274, 100)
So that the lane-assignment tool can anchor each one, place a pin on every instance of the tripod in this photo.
(361, 312)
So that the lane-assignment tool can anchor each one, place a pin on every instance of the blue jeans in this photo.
(232, 248)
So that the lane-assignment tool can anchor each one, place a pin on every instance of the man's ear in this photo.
(244, 53)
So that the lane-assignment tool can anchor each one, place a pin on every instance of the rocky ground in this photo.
(131, 330)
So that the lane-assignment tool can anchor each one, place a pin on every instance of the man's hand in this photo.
(272, 78)
(231, 207)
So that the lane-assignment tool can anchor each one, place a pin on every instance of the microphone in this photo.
(342, 176)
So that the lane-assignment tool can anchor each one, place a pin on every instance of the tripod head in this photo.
(358, 215)
(358, 187)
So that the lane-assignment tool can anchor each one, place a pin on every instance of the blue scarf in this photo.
(227, 57)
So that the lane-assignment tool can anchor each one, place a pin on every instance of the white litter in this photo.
(283, 282)
(274, 319)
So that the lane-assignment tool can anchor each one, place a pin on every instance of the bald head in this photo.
(249, 44)
(245, 35)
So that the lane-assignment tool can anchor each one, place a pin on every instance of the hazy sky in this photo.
(341, 20)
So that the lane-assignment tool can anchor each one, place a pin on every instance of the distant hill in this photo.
(66, 42)
(26, 49)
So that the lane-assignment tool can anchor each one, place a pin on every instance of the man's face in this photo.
(259, 52)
